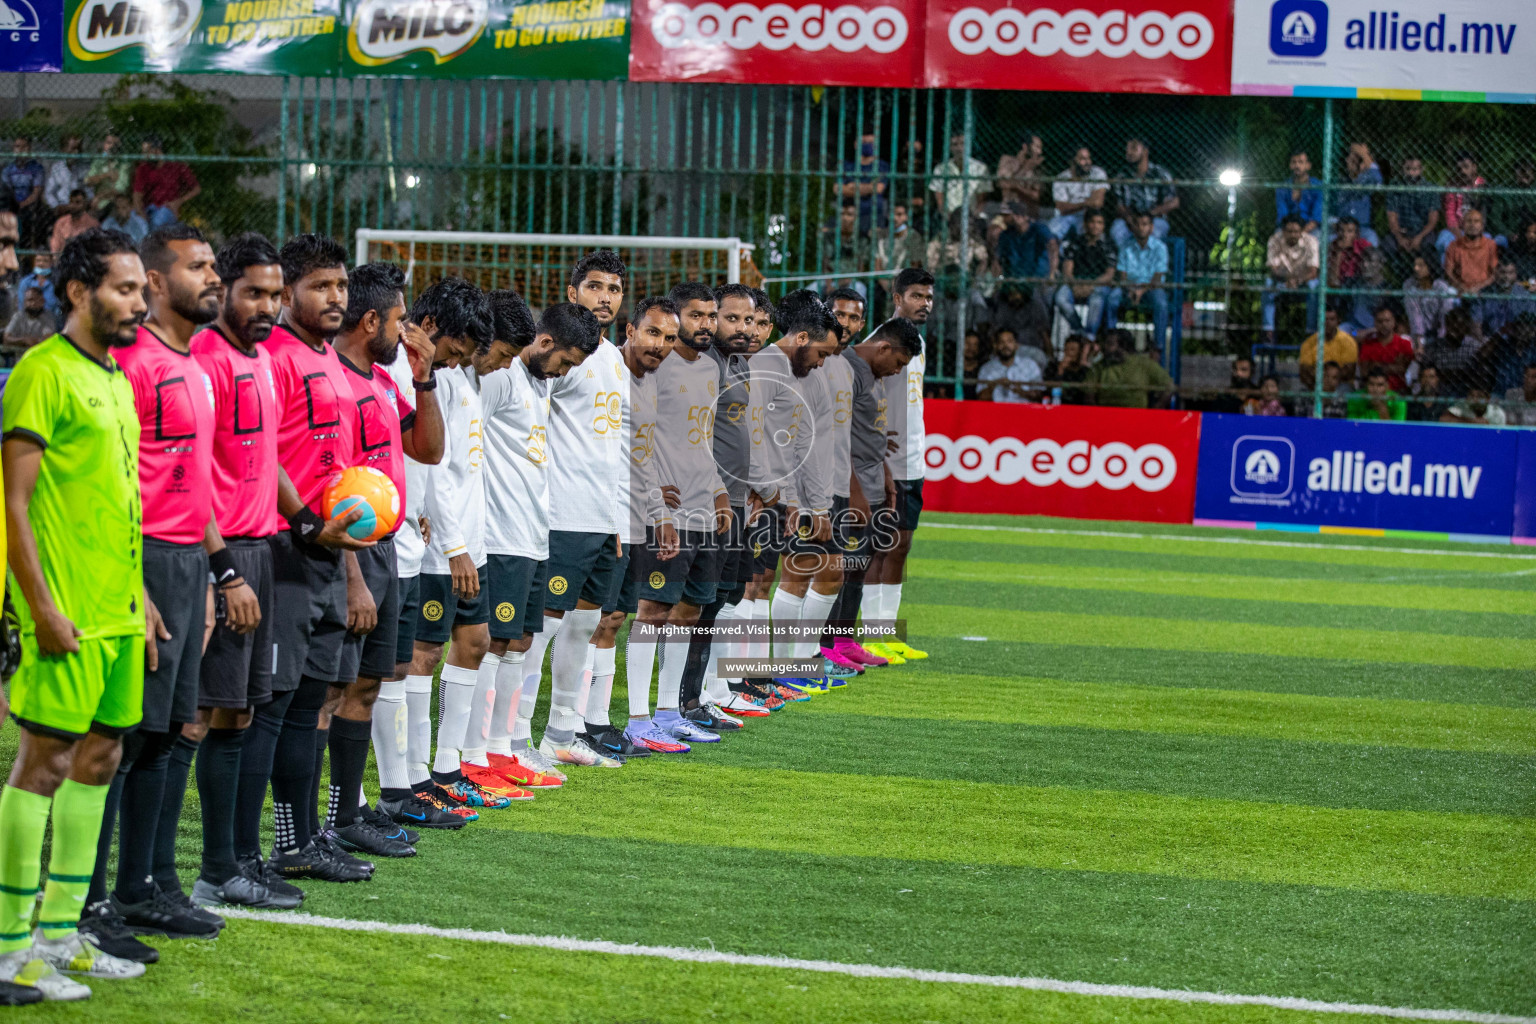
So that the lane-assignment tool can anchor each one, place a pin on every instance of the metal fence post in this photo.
(1322, 259)
(282, 164)
(965, 247)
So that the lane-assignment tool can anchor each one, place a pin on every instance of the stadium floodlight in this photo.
(537, 265)
(1231, 177)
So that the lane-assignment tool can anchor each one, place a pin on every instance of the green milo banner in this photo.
(487, 38)
(249, 37)
(408, 38)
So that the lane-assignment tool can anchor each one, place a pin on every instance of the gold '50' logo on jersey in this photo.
(701, 424)
(914, 386)
(644, 445)
(608, 413)
(735, 411)
(757, 424)
(538, 450)
(842, 406)
(881, 419)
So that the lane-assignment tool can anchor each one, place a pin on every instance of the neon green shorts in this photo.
(101, 686)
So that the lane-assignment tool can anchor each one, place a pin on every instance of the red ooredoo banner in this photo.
(869, 43)
(1179, 46)
(1081, 462)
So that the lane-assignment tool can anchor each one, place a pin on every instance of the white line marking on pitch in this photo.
(1227, 540)
(710, 956)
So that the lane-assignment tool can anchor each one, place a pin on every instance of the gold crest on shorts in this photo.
(557, 584)
(505, 611)
(657, 581)
(432, 611)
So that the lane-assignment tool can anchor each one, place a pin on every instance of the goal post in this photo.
(537, 265)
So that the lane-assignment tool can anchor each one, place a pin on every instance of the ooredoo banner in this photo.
(1074, 461)
(867, 43)
(1409, 49)
(1175, 46)
(1394, 476)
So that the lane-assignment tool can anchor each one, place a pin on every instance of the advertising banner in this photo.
(1066, 460)
(1392, 476)
(31, 35)
(577, 39)
(250, 37)
(1525, 489)
(1410, 49)
(867, 43)
(1177, 46)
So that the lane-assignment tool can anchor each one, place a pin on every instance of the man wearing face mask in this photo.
(866, 181)
(182, 543)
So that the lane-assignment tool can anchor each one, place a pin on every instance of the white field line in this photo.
(710, 956)
(1187, 538)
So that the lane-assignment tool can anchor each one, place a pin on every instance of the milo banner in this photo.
(250, 37)
(586, 39)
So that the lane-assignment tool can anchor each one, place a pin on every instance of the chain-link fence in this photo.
(994, 192)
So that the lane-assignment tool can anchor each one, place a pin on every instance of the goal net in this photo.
(539, 266)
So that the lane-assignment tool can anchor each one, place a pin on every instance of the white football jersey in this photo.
(515, 408)
(589, 464)
(455, 500)
(906, 412)
(409, 547)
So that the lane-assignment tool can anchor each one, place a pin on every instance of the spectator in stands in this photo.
(847, 250)
(1008, 376)
(1456, 354)
(867, 180)
(1510, 350)
(1426, 405)
(899, 246)
(1475, 408)
(1340, 350)
(1267, 402)
(1346, 254)
(23, 179)
(970, 360)
(1470, 260)
(1143, 268)
(1125, 378)
(126, 219)
(1335, 395)
(1082, 186)
(1383, 348)
(162, 187)
(109, 175)
(1503, 299)
(1291, 261)
(1071, 368)
(41, 278)
(1373, 288)
(31, 323)
(1019, 179)
(911, 172)
(1147, 187)
(1522, 249)
(957, 181)
(1458, 202)
(1508, 214)
(1359, 169)
(1427, 299)
(1016, 311)
(1302, 197)
(1520, 402)
(1378, 401)
(76, 219)
(1413, 218)
(1088, 267)
(64, 177)
(1026, 249)
(1239, 390)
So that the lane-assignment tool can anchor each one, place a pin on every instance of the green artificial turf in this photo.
(1214, 760)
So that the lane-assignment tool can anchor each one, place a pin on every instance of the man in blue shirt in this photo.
(23, 178)
(1301, 197)
(1362, 171)
(1143, 268)
(867, 180)
(1026, 248)
(41, 278)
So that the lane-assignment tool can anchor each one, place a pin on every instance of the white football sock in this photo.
(601, 694)
(761, 647)
(509, 687)
(892, 605)
(455, 696)
(533, 678)
(390, 729)
(418, 745)
(586, 681)
(567, 662)
(639, 661)
(872, 607)
(669, 676)
(785, 611)
(814, 613)
(478, 735)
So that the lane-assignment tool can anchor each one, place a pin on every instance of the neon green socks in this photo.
(77, 811)
(23, 819)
